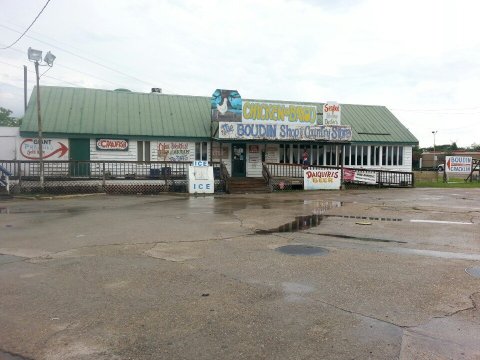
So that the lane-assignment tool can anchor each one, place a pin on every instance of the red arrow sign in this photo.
(30, 149)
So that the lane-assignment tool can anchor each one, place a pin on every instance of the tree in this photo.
(7, 120)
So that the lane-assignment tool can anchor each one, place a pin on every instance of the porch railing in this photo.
(109, 176)
(382, 177)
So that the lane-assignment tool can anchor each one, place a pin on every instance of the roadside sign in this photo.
(458, 164)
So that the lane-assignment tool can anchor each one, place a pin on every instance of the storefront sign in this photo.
(52, 149)
(359, 176)
(284, 132)
(112, 144)
(176, 151)
(271, 153)
(254, 154)
(262, 112)
(332, 112)
(321, 179)
(226, 105)
(459, 164)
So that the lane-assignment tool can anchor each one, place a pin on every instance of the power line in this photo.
(33, 22)
(75, 70)
(50, 77)
(149, 83)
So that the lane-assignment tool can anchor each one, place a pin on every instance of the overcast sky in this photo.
(419, 58)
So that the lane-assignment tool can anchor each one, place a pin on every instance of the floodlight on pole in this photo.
(434, 153)
(36, 57)
(49, 59)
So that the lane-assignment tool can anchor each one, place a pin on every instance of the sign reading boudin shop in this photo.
(248, 131)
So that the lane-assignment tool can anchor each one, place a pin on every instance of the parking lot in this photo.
(357, 274)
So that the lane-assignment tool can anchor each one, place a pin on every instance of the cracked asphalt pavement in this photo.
(177, 277)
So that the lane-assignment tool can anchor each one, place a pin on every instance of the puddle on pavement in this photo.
(364, 217)
(302, 250)
(9, 356)
(5, 259)
(307, 222)
(473, 271)
(300, 223)
(7, 210)
(363, 238)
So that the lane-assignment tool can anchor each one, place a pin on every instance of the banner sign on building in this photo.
(359, 176)
(458, 164)
(226, 105)
(263, 112)
(52, 149)
(321, 179)
(332, 113)
(112, 144)
(249, 131)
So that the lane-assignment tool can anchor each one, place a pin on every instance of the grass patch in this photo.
(452, 183)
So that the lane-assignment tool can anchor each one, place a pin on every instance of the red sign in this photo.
(112, 144)
(30, 149)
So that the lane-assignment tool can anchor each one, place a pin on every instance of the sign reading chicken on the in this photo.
(226, 105)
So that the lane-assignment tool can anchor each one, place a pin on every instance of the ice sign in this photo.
(200, 163)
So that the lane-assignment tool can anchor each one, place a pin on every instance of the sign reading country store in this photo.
(112, 144)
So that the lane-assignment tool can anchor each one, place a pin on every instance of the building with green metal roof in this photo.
(154, 126)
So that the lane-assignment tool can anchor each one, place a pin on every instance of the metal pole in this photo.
(25, 86)
(40, 136)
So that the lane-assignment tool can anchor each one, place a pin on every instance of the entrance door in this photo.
(239, 160)
(80, 157)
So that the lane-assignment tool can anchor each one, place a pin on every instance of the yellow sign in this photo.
(275, 113)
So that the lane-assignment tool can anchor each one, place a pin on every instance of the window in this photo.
(348, 148)
(331, 155)
(201, 151)
(365, 155)
(359, 155)
(375, 155)
(143, 150)
(400, 155)
(384, 155)
(321, 155)
(314, 155)
(296, 159)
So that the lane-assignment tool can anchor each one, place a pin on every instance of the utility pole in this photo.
(36, 56)
(434, 153)
(25, 86)
(40, 133)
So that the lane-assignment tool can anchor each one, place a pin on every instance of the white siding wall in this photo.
(9, 141)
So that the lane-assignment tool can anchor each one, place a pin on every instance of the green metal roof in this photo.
(79, 112)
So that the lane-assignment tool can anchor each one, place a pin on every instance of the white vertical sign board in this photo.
(332, 113)
(200, 178)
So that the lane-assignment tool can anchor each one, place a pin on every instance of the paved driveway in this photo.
(377, 274)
